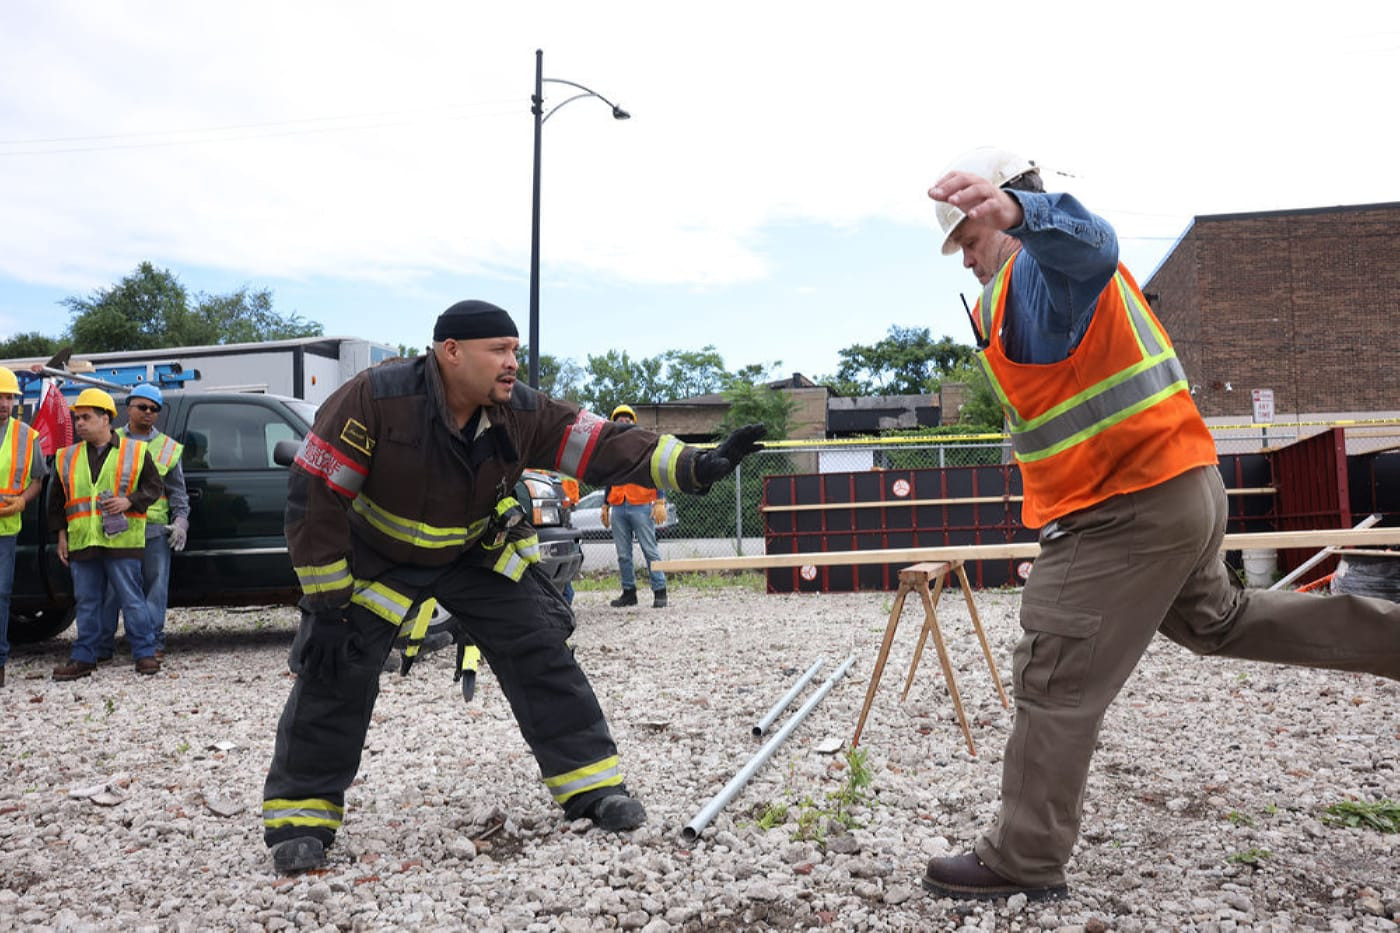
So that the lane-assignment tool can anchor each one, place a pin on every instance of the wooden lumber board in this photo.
(971, 500)
(1266, 539)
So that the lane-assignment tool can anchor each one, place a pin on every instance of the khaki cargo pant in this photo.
(1106, 580)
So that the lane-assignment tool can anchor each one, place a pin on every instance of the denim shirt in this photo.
(1068, 256)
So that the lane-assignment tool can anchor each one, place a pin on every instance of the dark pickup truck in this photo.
(236, 554)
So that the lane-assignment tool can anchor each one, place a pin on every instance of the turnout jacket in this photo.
(385, 479)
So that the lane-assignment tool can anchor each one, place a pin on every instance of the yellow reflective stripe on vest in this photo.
(309, 812)
(664, 461)
(516, 556)
(324, 578)
(1101, 406)
(389, 604)
(1098, 408)
(418, 534)
(16, 470)
(605, 773)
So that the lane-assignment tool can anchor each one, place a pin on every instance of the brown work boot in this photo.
(147, 666)
(73, 670)
(966, 877)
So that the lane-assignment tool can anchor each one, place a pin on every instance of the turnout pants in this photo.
(1106, 580)
(521, 629)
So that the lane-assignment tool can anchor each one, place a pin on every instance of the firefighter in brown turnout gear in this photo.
(400, 494)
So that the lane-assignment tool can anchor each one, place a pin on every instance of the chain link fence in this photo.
(727, 522)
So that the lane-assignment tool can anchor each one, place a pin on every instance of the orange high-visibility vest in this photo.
(632, 494)
(1113, 418)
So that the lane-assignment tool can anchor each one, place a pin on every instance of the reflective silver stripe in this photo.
(322, 579)
(664, 461)
(79, 507)
(417, 534)
(128, 466)
(578, 443)
(1109, 402)
(1138, 317)
(302, 813)
(382, 601)
(603, 778)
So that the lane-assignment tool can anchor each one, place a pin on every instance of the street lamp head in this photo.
(620, 114)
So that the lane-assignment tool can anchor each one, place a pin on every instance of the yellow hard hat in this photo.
(95, 398)
(623, 410)
(9, 385)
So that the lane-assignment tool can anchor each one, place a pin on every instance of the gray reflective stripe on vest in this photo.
(1106, 404)
(664, 461)
(1142, 324)
(79, 506)
(601, 778)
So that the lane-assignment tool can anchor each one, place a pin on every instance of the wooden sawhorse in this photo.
(917, 578)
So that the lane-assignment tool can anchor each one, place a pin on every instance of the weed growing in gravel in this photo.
(183, 747)
(1239, 819)
(109, 706)
(1252, 857)
(775, 814)
(1383, 815)
(813, 820)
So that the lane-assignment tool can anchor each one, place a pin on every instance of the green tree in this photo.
(135, 314)
(908, 361)
(31, 343)
(243, 316)
(150, 309)
(981, 409)
(561, 378)
(694, 372)
(615, 378)
(749, 404)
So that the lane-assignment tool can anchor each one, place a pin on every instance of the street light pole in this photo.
(541, 115)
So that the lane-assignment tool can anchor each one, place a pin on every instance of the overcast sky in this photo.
(370, 163)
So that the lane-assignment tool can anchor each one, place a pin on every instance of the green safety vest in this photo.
(119, 474)
(165, 451)
(16, 457)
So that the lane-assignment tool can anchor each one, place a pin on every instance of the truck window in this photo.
(234, 436)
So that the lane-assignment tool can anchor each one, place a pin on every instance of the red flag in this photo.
(51, 419)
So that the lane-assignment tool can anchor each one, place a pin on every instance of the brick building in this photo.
(1303, 302)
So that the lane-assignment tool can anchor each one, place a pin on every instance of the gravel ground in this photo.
(133, 802)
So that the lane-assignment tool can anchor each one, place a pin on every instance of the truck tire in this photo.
(37, 625)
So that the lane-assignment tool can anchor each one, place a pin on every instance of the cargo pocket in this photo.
(1053, 659)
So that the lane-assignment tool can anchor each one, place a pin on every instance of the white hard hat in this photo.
(996, 165)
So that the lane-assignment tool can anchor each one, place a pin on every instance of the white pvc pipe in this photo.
(772, 715)
(718, 801)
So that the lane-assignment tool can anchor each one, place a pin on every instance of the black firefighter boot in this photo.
(658, 598)
(628, 598)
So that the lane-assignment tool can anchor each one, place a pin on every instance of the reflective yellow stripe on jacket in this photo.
(664, 461)
(418, 534)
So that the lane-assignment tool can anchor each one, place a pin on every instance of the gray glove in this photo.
(179, 532)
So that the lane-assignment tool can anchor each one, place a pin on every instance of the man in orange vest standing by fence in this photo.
(21, 477)
(630, 512)
(1119, 473)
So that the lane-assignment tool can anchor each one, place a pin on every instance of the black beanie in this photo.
(472, 320)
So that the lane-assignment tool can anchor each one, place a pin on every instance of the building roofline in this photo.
(1298, 211)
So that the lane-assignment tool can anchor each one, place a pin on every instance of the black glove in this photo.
(714, 465)
(324, 653)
